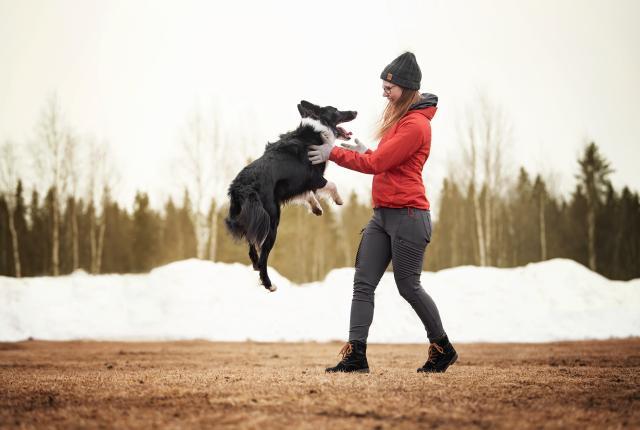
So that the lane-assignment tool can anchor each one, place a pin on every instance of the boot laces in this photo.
(346, 351)
(433, 352)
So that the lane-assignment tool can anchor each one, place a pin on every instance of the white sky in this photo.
(131, 72)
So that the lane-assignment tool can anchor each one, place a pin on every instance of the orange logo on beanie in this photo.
(389, 76)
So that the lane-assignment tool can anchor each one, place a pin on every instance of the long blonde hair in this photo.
(394, 111)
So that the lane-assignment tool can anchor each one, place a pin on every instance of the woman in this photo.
(400, 228)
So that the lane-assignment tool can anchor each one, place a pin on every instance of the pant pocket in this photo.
(359, 248)
(407, 258)
(426, 219)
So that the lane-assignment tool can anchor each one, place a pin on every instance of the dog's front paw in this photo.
(317, 211)
(339, 201)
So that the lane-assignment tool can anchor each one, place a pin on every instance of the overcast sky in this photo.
(131, 73)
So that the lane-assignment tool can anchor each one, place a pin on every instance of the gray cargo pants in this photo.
(399, 235)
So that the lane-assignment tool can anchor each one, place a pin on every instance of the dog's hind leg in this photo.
(331, 190)
(253, 255)
(315, 204)
(262, 262)
(265, 249)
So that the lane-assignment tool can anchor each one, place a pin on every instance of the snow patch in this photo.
(193, 299)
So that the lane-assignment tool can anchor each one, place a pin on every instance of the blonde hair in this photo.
(394, 111)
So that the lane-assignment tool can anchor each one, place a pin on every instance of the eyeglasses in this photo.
(387, 88)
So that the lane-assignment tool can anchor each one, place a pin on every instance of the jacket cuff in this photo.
(332, 154)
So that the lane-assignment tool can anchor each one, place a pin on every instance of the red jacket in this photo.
(397, 162)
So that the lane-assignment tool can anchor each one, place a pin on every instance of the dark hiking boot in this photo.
(441, 355)
(354, 358)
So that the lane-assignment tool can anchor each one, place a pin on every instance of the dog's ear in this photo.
(304, 113)
(308, 105)
(308, 109)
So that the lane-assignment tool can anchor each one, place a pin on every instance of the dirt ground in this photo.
(283, 385)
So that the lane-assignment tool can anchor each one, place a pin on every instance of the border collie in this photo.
(282, 174)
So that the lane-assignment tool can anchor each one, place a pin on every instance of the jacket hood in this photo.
(427, 105)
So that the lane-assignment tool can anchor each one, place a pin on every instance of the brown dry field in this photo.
(283, 385)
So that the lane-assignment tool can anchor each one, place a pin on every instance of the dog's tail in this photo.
(250, 220)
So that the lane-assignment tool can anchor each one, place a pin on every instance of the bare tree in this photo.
(207, 162)
(71, 177)
(485, 136)
(496, 133)
(8, 183)
(49, 152)
(550, 178)
(226, 164)
(198, 164)
(102, 179)
(471, 161)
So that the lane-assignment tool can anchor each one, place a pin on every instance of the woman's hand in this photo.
(358, 147)
(320, 153)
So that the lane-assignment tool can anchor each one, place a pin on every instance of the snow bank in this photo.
(191, 299)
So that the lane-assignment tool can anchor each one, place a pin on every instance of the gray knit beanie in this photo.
(403, 71)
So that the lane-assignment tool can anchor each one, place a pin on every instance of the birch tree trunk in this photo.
(14, 243)
(487, 226)
(202, 231)
(55, 241)
(543, 228)
(9, 167)
(479, 230)
(213, 235)
(74, 237)
(102, 227)
(92, 242)
(97, 228)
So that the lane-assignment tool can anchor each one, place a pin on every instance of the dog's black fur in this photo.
(280, 174)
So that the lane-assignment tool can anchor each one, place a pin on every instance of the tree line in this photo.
(137, 241)
(596, 225)
(485, 217)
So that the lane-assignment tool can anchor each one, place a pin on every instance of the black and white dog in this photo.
(282, 174)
